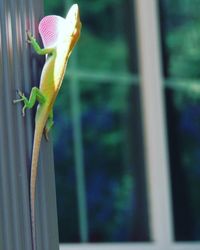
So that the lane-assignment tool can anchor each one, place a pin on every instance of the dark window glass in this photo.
(113, 160)
(180, 25)
(98, 127)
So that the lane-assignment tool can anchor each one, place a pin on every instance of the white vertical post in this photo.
(154, 122)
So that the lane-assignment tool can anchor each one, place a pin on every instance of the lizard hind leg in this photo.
(35, 95)
(49, 125)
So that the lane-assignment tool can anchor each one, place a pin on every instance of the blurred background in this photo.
(99, 146)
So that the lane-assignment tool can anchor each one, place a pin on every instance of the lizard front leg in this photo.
(35, 95)
(31, 39)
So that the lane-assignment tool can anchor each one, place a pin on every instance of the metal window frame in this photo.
(130, 246)
(154, 122)
(155, 133)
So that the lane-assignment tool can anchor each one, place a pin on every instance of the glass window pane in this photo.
(107, 35)
(180, 23)
(113, 163)
(113, 160)
(98, 128)
(64, 169)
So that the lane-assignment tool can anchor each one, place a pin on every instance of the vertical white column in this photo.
(154, 122)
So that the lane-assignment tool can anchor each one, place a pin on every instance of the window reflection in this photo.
(181, 56)
(105, 109)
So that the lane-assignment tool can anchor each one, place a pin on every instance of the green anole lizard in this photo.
(59, 35)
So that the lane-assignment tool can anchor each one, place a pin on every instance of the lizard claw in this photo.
(29, 36)
(46, 132)
(22, 99)
(46, 135)
(21, 95)
(19, 92)
(23, 111)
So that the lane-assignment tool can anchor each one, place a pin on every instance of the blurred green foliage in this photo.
(181, 30)
(103, 29)
(114, 199)
(183, 38)
(106, 115)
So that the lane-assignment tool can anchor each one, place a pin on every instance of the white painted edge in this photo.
(152, 98)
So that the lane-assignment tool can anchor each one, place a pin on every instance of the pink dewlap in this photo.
(51, 28)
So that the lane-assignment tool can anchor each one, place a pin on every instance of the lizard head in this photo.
(73, 24)
(73, 20)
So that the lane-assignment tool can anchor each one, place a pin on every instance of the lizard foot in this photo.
(30, 37)
(22, 99)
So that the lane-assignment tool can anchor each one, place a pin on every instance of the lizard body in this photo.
(59, 36)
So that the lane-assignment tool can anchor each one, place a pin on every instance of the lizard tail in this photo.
(34, 167)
